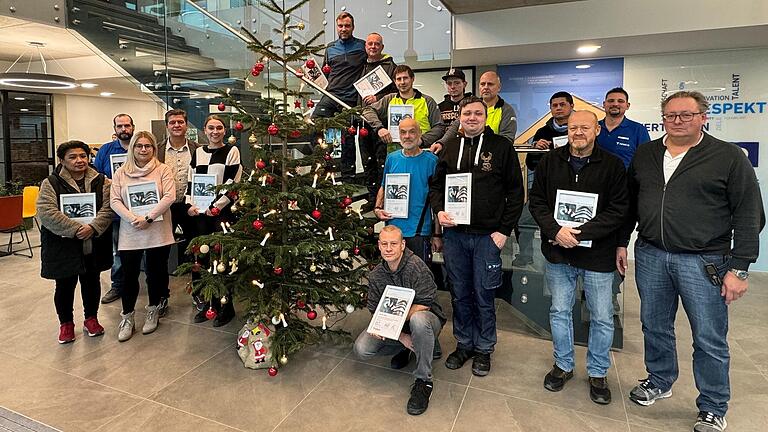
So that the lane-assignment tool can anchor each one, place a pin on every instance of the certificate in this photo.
(315, 74)
(458, 197)
(391, 312)
(395, 113)
(372, 82)
(559, 141)
(203, 190)
(573, 208)
(116, 161)
(397, 190)
(142, 198)
(80, 207)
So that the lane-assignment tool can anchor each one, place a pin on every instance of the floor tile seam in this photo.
(192, 369)
(646, 427)
(403, 371)
(461, 405)
(581, 416)
(118, 415)
(195, 415)
(621, 390)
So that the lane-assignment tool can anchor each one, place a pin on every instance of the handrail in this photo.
(248, 41)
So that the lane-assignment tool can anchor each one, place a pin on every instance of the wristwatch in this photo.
(741, 274)
(148, 219)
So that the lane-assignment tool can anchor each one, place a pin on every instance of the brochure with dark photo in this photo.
(458, 197)
(573, 208)
(80, 207)
(116, 161)
(203, 190)
(372, 82)
(396, 113)
(142, 198)
(391, 312)
(397, 195)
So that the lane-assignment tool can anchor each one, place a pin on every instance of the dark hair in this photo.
(214, 117)
(175, 112)
(618, 90)
(64, 147)
(403, 68)
(562, 94)
(114, 119)
(470, 100)
(346, 15)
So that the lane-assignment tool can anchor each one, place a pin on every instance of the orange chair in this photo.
(30, 203)
(11, 222)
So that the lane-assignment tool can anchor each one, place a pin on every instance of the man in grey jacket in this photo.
(400, 267)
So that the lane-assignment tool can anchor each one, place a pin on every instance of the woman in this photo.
(223, 160)
(73, 250)
(142, 193)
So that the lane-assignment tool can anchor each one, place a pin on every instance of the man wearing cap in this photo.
(455, 85)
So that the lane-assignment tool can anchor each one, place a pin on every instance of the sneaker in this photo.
(421, 391)
(401, 359)
(126, 327)
(110, 296)
(556, 379)
(67, 332)
(646, 393)
(200, 316)
(457, 358)
(599, 391)
(151, 320)
(481, 364)
(162, 307)
(226, 315)
(92, 327)
(709, 422)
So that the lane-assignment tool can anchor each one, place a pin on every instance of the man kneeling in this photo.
(402, 268)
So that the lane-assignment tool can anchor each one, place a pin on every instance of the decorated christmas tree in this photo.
(297, 255)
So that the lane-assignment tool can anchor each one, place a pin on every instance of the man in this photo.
(618, 134)
(472, 252)
(425, 110)
(123, 125)
(501, 116)
(691, 195)
(582, 167)
(177, 152)
(373, 151)
(455, 84)
(400, 267)
(553, 134)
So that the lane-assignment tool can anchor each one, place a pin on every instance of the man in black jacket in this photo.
(472, 252)
(691, 195)
(455, 85)
(586, 251)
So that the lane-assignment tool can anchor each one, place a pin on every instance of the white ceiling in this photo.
(471, 6)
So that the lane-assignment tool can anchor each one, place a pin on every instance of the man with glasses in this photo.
(618, 134)
(693, 196)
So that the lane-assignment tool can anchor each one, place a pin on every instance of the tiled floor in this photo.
(188, 377)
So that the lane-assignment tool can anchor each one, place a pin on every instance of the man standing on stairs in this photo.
(618, 134)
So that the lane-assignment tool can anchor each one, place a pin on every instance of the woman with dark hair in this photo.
(143, 190)
(76, 244)
(222, 160)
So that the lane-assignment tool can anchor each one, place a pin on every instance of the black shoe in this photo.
(421, 391)
(200, 317)
(481, 364)
(162, 307)
(226, 315)
(556, 378)
(457, 358)
(401, 359)
(110, 296)
(599, 391)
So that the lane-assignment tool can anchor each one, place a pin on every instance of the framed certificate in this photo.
(573, 208)
(203, 190)
(116, 161)
(397, 191)
(391, 312)
(395, 113)
(372, 82)
(142, 198)
(315, 74)
(559, 141)
(80, 207)
(458, 197)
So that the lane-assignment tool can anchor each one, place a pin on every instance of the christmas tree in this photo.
(298, 253)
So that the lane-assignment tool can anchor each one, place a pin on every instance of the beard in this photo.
(125, 136)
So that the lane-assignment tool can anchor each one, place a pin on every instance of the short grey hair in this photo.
(701, 101)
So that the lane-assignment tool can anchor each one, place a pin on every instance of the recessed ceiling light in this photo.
(106, 94)
(24, 109)
(583, 66)
(383, 25)
(19, 98)
(588, 49)
(88, 85)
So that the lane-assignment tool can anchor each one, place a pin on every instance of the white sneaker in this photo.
(151, 321)
(126, 327)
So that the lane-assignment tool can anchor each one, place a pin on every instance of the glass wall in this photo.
(27, 136)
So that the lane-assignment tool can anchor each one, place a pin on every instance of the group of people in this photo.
(142, 196)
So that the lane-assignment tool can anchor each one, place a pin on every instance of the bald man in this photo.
(502, 117)
(581, 242)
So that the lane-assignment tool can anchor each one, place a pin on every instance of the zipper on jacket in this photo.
(663, 194)
(577, 178)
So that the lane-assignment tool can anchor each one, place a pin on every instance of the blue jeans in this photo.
(561, 280)
(473, 262)
(662, 279)
(117, 266)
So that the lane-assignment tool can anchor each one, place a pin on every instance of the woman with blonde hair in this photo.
(143, 190)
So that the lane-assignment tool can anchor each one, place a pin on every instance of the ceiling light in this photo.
(583, 66)
(24, 109)
(588, 49)
(88, 85)
(394, 25)
(19, 98)
(106, 94)
(42, 80)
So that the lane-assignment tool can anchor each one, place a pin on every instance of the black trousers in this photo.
(156, 271)
(64, 296)
(374, 152)
(179, 217)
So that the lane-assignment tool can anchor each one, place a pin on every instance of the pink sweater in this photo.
(159, 233)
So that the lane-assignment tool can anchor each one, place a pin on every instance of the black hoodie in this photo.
(449, 110)
(546, 132)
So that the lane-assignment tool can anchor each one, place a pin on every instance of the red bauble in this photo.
(196, 267)
(270, 179)
(232, 195)
(347, 201)
(310, 64)
(327, 156)
(300, 304)
(352, 130)
(299, 72)
(356, 251)
(278, 271)
(259, 66)
(221, 106)
(272, 371)
(261, 164)
(311, 314)
(363, 132)
(255, 72)
(310, 103)
(295, 134)
(326, 69)
(195, 249)
(239, 126)
(217, 247)
(273, 129)
(316, 214)
(297, 104)
(210, 313)
(258, 225)
(215, 211)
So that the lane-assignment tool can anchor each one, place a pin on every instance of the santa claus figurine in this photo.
(243, 339)
(259, 351)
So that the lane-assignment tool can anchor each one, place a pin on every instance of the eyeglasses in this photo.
(684, 117)
(143, 146)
